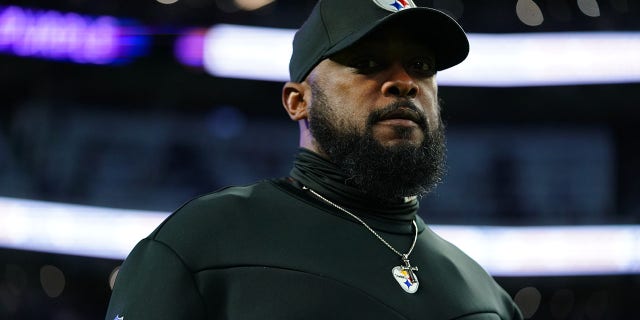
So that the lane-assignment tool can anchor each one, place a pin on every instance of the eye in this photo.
(366, 64)
(422, 66)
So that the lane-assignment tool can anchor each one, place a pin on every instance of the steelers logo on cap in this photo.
(394, 5)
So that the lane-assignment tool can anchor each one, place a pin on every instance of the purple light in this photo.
(189, 47)
(68, 36)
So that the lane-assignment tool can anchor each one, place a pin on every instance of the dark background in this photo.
(152, 134)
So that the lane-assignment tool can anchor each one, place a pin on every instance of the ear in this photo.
(296, 98)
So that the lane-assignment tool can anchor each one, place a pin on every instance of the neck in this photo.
(322, 176)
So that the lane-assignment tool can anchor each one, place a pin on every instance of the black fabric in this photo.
(271, 251)
(322, 176)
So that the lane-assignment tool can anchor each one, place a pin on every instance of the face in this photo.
(385, 81)
(374, 113)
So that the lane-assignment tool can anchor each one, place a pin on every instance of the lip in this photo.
(402, 116)
(398, 122)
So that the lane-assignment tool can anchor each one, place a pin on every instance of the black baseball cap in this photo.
(334, 25)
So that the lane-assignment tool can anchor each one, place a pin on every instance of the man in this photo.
(339, 238)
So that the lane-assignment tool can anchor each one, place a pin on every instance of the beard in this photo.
(388, 173)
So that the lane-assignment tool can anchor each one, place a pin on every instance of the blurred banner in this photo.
(72, 37)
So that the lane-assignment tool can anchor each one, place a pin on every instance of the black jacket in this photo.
(271, 251)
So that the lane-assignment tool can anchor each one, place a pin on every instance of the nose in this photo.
(399, 83)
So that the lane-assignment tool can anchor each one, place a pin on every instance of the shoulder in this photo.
(221, 221)
(223, 204)
(215, 214)
(454, 259)
(227, 195)
(461, 275)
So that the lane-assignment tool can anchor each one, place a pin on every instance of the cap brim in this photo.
(439, 31)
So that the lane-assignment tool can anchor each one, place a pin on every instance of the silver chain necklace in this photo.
(404, 275)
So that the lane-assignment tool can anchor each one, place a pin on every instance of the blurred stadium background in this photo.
(113, 113)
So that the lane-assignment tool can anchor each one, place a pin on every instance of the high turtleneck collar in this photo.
(322, 176)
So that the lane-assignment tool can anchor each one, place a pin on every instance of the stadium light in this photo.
(502, 251)
(495, 60)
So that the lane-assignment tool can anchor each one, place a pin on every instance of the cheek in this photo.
(431, 105)
(351, 100)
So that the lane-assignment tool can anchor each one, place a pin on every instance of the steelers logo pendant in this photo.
(406, 278)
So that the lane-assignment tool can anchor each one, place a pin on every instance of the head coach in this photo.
(339, 238)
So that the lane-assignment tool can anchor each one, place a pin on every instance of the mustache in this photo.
(401, 109)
